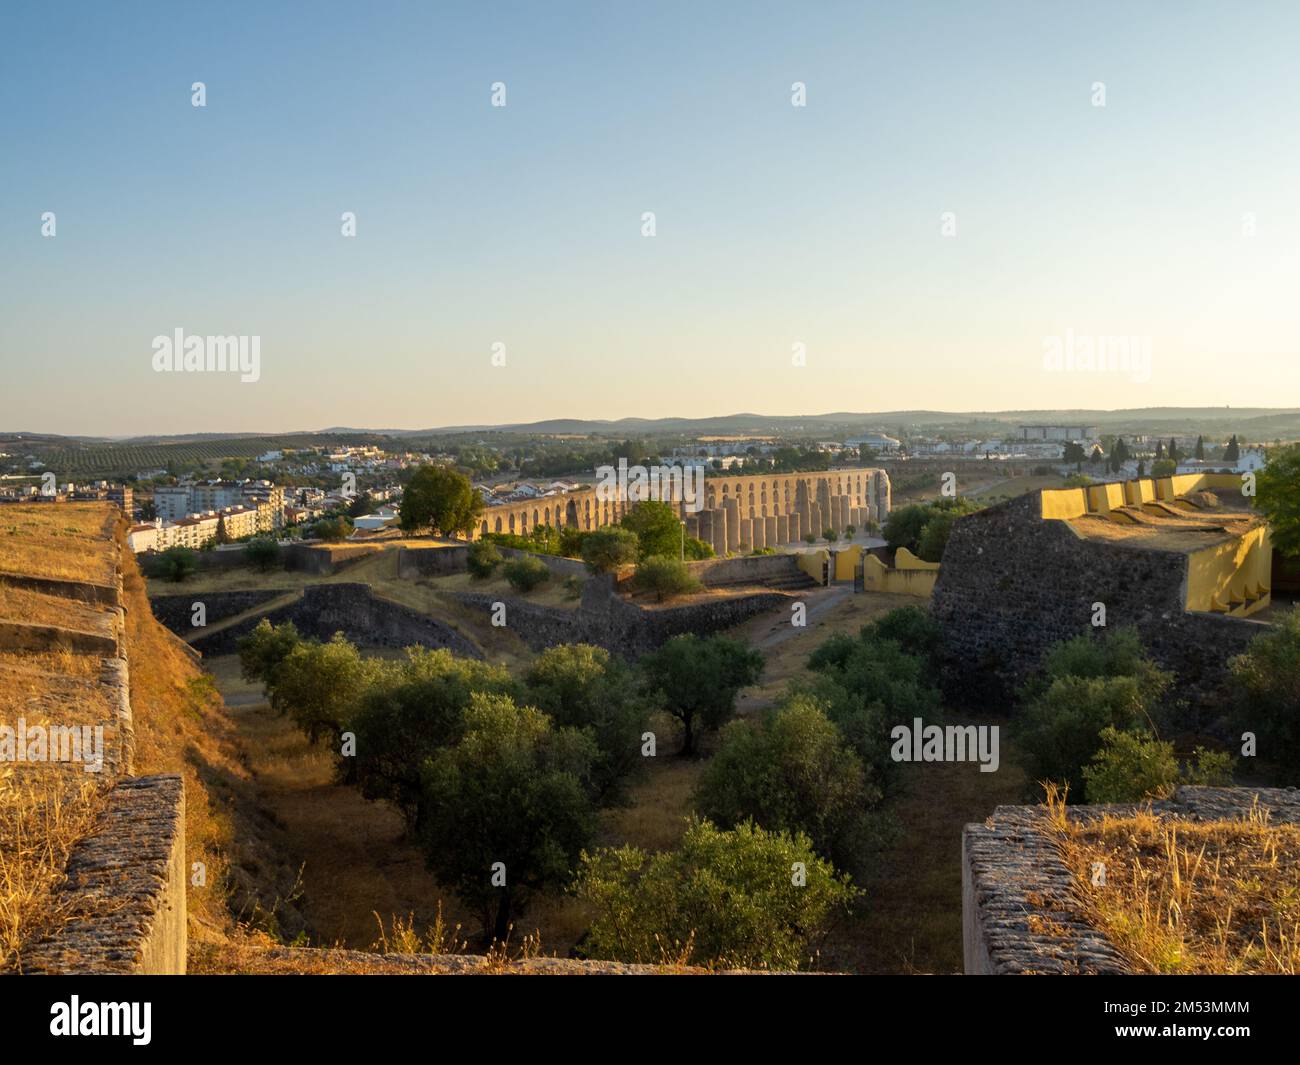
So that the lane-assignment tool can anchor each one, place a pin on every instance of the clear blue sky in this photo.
(776, 225)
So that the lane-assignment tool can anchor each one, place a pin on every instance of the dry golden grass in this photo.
(1166, 533)
(38, 608)
(68, 541)
(910, 920)
(44, 811)
(1192, 897)
(63, 662)
(180, 727)
(661, 801)
(402, 937)
(53, 697)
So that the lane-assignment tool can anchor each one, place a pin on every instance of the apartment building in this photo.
(198, 530)
(172, 503)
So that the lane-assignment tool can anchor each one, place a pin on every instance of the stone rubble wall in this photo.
(125, 881)
(605, 619)
(126, 888)
(352, 609)
(1022, 911)
(1012, 584)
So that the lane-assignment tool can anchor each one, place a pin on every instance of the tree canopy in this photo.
(440, 499)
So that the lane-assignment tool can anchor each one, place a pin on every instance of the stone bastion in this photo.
(125, 881)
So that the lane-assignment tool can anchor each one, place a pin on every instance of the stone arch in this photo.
(571, 513)
(498, 528)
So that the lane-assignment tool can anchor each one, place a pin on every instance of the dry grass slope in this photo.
(64, 541)
(1192, 897)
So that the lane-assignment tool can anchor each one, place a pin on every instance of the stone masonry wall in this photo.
(176, 611)
(1013, 584)
(125, 881)
(352, 609)
(1022, 913)
(126, 888)
(606, 620)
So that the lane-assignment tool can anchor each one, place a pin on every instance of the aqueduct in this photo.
(739, 512)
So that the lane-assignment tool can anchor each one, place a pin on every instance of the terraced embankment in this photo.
(94, 876)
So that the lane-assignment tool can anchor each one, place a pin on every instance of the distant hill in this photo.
(83, 457)
(1261, 421)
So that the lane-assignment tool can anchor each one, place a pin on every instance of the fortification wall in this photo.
(176, 612)
(125, 881)
(606, 620)
(780, 571)
(352, 609)
(1012, 584)
(125, 888)
(432, 561)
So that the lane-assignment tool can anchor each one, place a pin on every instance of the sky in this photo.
(948, 212)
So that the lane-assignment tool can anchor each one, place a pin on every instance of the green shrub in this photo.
(665, 577)
(1135, 766)
(912, 628)
(410, 713)
(1130, 767)
(721, 898)
(792, 771)
(696, 680)
(263, 552)
(587, 688)
(482, 559)
(514, 790)
(1209, 768)
(177, 563)
(868, 684)
(263, 649)
(525, 574)
(609, 548)
(1268, 677)
(1060, 731)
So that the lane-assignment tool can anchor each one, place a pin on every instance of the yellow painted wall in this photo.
(1062, 504)
(904, 559)
(1140, 491)
(1104, 497)
(877, 577)
(1232, 577)
(811, 562)
(846, 562)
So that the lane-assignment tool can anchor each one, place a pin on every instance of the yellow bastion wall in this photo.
(1234, 577)
(909, 575)
(1063, 504)
(813, 563)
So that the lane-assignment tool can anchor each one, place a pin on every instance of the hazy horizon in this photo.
(885, 418)
(1165, 216)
